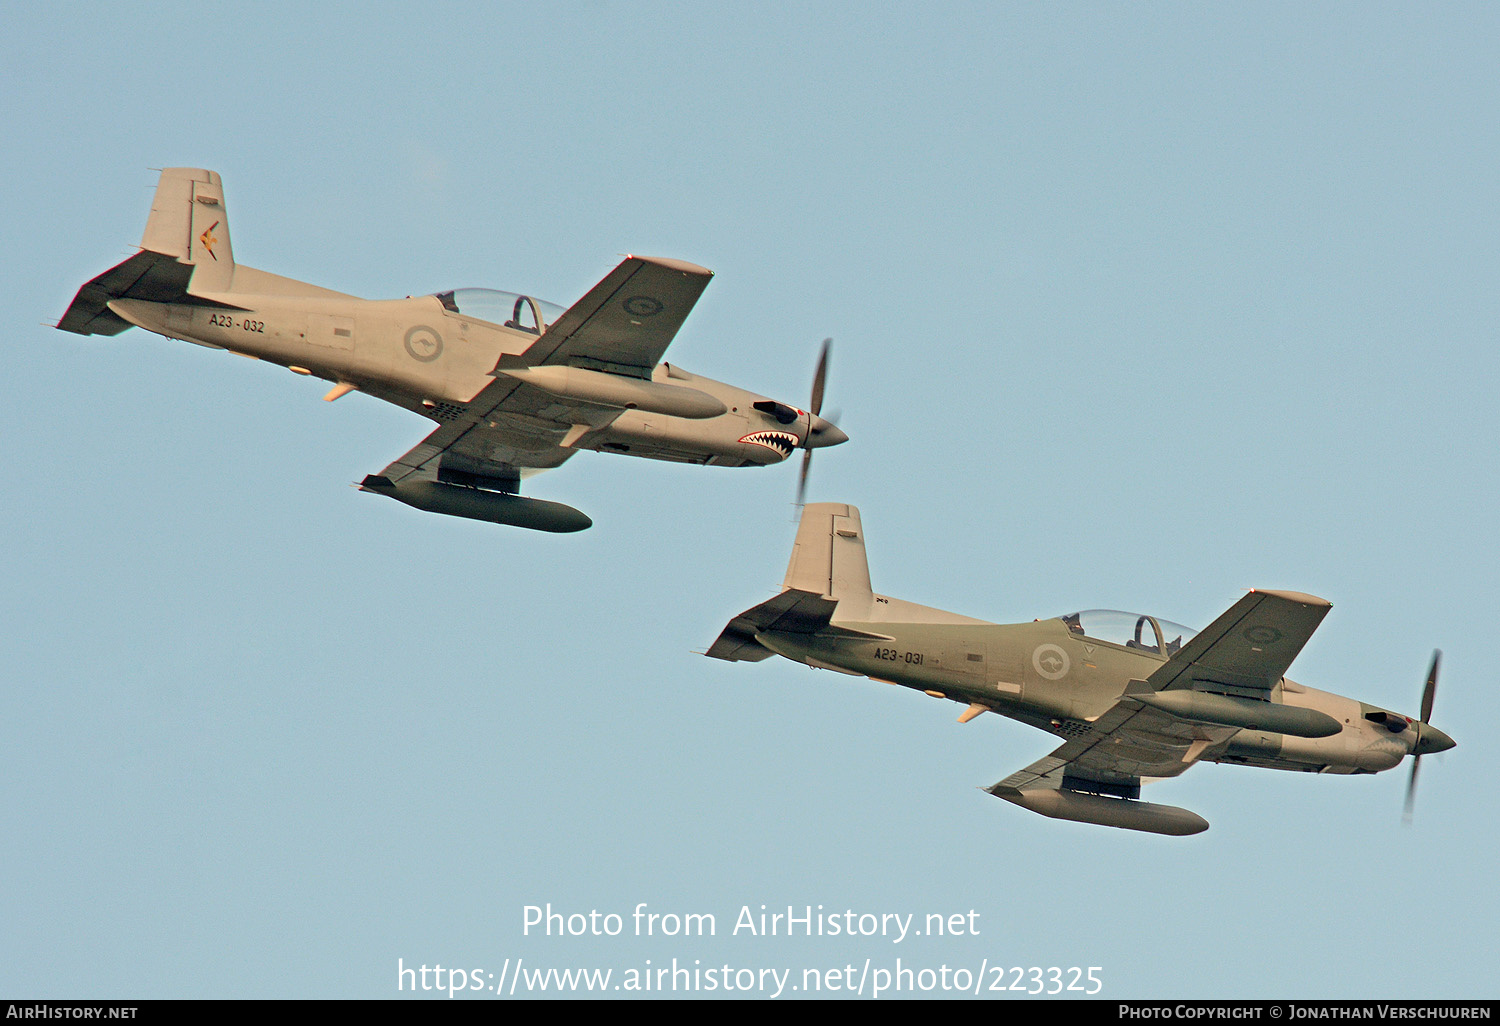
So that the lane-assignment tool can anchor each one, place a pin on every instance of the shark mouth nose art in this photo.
(781, 441)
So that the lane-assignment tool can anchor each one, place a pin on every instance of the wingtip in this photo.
(675, 265)
(1294, 596)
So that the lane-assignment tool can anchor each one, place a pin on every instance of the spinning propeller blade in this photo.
(1428, 693)
(819, 431)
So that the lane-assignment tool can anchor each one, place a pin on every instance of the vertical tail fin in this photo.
(828, 558)
(827, 579)
(184, 252)
(188, 222)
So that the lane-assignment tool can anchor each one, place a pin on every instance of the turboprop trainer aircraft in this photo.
(515, 385)
(1133, 697)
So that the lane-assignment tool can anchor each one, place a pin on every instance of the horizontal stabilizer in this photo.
(791, 612)
(148, 276)
(797, 614)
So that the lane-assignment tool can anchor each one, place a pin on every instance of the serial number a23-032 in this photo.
(225, 321)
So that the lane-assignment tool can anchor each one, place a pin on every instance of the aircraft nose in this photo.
(1430, 739)
(823, 433)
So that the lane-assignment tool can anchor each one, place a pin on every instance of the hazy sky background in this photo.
(1134, 306)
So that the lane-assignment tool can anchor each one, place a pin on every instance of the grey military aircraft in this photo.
(516, 385)
(1134, 697)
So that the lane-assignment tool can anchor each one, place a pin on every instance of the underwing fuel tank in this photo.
(479, 504)
(1126, 813)
(1203, 707)
(617, 390)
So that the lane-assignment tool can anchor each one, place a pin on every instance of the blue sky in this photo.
(1133, 307)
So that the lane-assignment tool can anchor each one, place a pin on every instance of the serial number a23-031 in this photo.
(893, 656)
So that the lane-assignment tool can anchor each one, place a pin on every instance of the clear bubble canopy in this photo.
(507, 309)
(1131, 630)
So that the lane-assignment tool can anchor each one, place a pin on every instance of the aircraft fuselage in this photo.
(414, 353)
(1047, 676)
(515, 385)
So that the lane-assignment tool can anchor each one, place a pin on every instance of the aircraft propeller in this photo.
(820, 432)
(1429, 739)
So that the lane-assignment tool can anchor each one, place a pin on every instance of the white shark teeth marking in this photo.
(781, 441)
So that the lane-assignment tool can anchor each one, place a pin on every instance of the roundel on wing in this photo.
(1051, 662)
(643, 306)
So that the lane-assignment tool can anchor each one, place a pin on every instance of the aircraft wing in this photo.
(1111, 755)
(625, 323)
(493, 445)
(1249, 647)
(622, 325)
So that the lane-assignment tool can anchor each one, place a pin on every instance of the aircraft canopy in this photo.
(508, 309)
(1132, 630)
